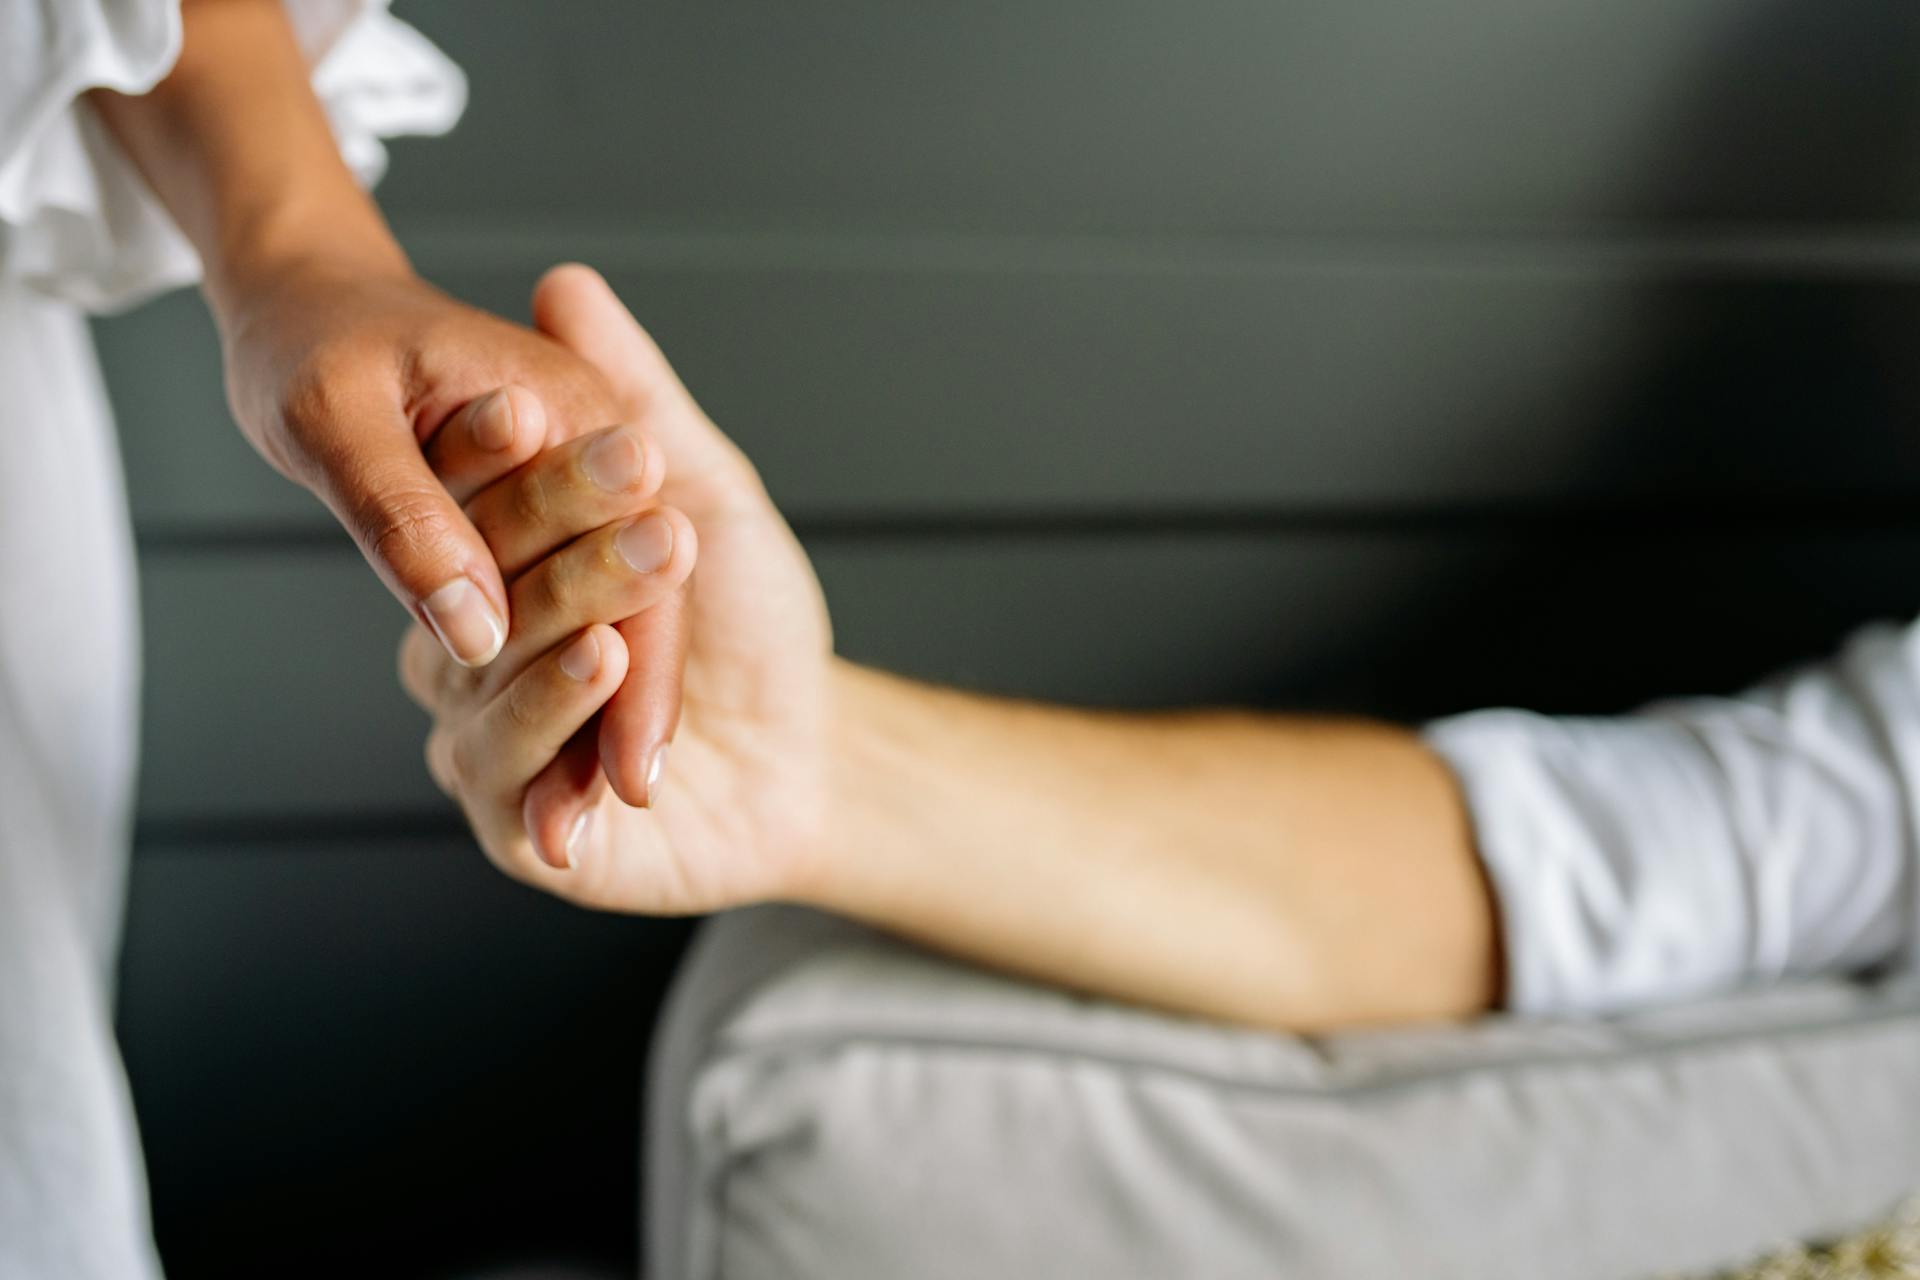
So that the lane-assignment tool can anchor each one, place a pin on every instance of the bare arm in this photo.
(1279, 871)
(1285, 872)
(346, 370)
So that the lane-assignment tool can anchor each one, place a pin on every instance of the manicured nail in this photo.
(653, 773)
(575, 835)
(492, 421)
(581, 658)
(646, 544)
(465, 620)
(615, 461)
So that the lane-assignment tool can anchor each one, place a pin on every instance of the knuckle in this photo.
(561, 586)
(533, 499)
(404, 526)
(312, 445)
(309, 396)
(522, 707)
(329, 377)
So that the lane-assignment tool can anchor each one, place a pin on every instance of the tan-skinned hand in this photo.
(360, 385)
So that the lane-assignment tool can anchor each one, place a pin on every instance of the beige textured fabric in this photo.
(1888, 1250)
(830, 1103)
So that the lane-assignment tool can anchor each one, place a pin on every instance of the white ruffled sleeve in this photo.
(77, 221)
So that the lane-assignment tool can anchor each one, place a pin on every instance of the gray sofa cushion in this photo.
(831, 1103)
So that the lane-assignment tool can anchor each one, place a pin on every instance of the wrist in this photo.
(857, 767)
(906, 772)
(273, 249)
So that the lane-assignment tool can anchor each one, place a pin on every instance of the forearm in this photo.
(1283, 872)
(235, 145)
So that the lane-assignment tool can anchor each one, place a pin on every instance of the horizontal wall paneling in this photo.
(271, 695)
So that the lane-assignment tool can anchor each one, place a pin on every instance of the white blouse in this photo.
(76, 221)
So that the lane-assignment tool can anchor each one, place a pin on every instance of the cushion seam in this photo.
(1905, 1017)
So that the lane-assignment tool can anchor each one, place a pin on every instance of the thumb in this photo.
(576, 307)
(414, 535)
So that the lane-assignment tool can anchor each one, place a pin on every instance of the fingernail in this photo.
(646, 544)
(466, 623)
(653, 773)
(615, 461)
(581, 658)
(492, 421)
(575, 835)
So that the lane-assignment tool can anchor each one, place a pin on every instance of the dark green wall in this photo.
(1387, 356)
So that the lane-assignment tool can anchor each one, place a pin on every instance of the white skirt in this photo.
(72, 1194)
(78, 224)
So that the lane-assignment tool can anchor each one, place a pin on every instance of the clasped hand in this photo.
(588, 533)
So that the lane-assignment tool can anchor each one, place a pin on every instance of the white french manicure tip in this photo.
(576, 833)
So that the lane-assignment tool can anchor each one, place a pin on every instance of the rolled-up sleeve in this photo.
(1697, 846)
(76, 220)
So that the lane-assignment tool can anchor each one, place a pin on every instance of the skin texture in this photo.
(756, 674)
(348, 372)
(1283, 872)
